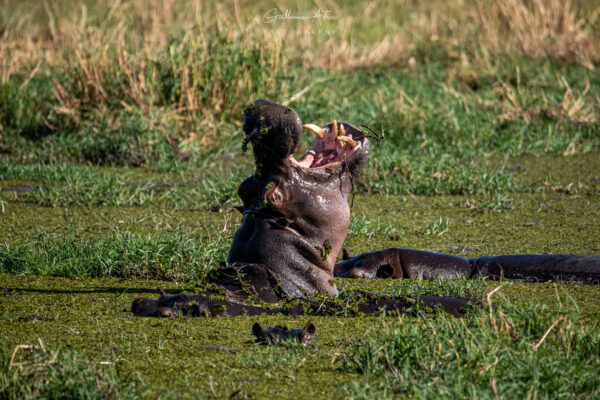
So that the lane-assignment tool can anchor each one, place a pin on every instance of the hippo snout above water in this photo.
(281, 334)
(295, 219)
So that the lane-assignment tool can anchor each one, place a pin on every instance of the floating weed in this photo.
(497, 202)
(362, 225)
(469, 288)
(68, 184)
(285, 355)
(213, 350)
(437, 226)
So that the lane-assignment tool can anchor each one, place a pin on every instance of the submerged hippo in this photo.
(408, 263)
(281, 334)
(295, 219)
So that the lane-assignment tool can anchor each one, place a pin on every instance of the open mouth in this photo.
(334, 143)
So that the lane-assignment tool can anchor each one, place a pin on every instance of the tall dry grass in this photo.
(211, 54)
(555, 29)
(360, 35)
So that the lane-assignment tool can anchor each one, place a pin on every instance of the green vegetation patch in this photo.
(512, 351)
(173, 256)
(71, 184)
(34, 372)
(187, 357)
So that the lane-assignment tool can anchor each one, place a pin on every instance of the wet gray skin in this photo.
(417, 264)
(295, 213)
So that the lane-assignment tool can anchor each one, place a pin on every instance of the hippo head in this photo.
(295, 212)
(282, 334)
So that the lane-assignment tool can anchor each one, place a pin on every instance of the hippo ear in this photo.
(307, 333)
(257, 330)
(345, 254)
(310, 328)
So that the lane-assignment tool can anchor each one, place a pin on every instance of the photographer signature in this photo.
(274, 15)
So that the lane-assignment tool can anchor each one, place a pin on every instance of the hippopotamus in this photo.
(418, 264)
(295, 217)
(280, 334)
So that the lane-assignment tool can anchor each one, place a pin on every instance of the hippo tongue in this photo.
(333, 143)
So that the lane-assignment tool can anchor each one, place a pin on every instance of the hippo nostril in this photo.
(356, 273)
(165, 312)
(384, 271)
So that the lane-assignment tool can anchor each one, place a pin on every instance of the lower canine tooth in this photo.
(334, 131)
(342, 130)
(315, 129)
(348, 140)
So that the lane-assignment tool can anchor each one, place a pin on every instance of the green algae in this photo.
(195, 357)
(24, 221)
(172, 354)
(556, 212)
(538, 223)
(554, 217)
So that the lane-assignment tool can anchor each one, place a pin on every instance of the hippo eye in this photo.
(275, 195)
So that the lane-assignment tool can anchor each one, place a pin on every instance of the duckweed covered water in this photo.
(200, 357)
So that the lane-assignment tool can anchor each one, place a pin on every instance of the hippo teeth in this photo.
(334, 131)
(315, 129)
(334, 143)
(346, 140)
(338, 134)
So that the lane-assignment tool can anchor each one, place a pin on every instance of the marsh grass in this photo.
(437, 226)
(147, 350)
(171, 256)
(72, 184)
(37, 372)
(510, 350)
